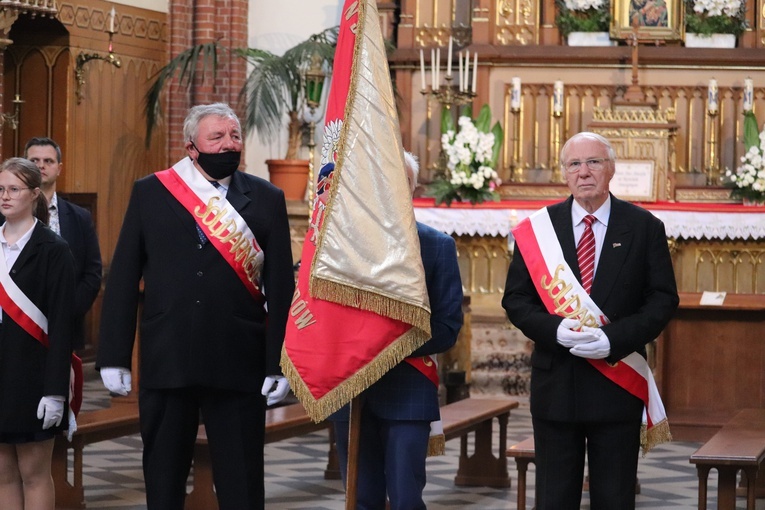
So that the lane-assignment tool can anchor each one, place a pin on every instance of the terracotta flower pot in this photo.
(291, 175)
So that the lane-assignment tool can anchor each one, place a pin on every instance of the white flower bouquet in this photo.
(582, 16)
(471, 153)
(749, 179)
(708, 17)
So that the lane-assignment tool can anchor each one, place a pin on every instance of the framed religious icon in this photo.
(634, 180)
(656, 20)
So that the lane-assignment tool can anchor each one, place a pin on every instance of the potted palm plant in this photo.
(274, 92)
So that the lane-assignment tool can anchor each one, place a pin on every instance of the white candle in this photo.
(515, 93)
(111, 22)
(433, 69)
(558, 97)
(422, 68)
(475, 71)
(748, 94)
(449, 58)
(467, 69)
(438, 67)
(462, 77)
(712, 96)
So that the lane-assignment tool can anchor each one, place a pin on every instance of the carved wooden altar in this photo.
(642, 133)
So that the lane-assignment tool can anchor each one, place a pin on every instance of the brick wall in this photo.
(198, 22)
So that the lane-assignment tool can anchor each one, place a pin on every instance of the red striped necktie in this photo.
(585, 253)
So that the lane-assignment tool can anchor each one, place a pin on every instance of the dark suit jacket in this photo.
(634, 286)
(200, 326)
(78, 230)
(44, 272)
(404, 393)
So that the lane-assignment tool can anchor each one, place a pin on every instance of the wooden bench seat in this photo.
(92, 427)
(523, 453)
(281, 423)
(738, 446)
(482, 468)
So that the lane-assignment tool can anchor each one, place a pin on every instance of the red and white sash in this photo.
(563, 295)
(25, 313)
(428, 366)
(221, 223)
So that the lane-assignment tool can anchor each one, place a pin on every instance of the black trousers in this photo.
(235, 424)
(612, 457)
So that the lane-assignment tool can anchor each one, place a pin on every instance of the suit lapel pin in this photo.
(616, 245)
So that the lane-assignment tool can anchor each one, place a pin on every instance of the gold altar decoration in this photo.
(633, 139)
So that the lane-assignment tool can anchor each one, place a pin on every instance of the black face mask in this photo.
(219, 165)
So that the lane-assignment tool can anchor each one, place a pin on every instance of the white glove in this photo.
(51, 411)
(566, 335)
(72, 425)
(117, 380)
(276, 393)
(598, 348)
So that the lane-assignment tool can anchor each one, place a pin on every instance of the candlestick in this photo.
(475, 71)
(422, 69)
(558, 97)
(111, 21)
(515, 93)
(748, 94)
(467, 69)
(449, 58)
(712, 96)
(437, 64)
(462, 77)
(433, 69)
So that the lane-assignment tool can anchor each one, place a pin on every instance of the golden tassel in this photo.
(437, 445)
(658, 434)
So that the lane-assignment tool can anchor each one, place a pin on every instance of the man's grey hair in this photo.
(413, 167)
(592, 136)
(199, 112)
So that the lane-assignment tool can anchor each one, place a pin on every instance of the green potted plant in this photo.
(714, 23)
(584, 22)
(274, 94)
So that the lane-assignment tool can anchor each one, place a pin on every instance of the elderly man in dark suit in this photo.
(398, 409)
(212, 246)
(632, 296)
(75, 225)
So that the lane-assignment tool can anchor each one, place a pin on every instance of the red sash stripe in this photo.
(426, 366)
(21, 318)
(191, 202)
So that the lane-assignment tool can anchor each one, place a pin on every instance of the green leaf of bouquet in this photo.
(447, 122)
(498, 133)
(483, 122)
(751, 131)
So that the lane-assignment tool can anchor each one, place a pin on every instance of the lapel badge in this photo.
(616, 245)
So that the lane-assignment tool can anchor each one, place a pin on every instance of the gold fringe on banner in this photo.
(390, 307)
(320, 409)
(658, 434)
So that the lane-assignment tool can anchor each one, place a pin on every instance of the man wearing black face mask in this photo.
(212, 246)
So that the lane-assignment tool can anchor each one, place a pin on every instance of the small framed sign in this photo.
(634, 180)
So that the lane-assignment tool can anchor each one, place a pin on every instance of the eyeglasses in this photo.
(13, 191)
(594, 164)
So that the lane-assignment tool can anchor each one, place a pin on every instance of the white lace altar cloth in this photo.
(685, 220)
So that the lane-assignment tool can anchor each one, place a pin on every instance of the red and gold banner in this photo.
(360, 306)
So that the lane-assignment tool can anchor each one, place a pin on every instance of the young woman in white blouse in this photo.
(36, 296)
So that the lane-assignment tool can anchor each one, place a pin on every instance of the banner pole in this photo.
(354, 433)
